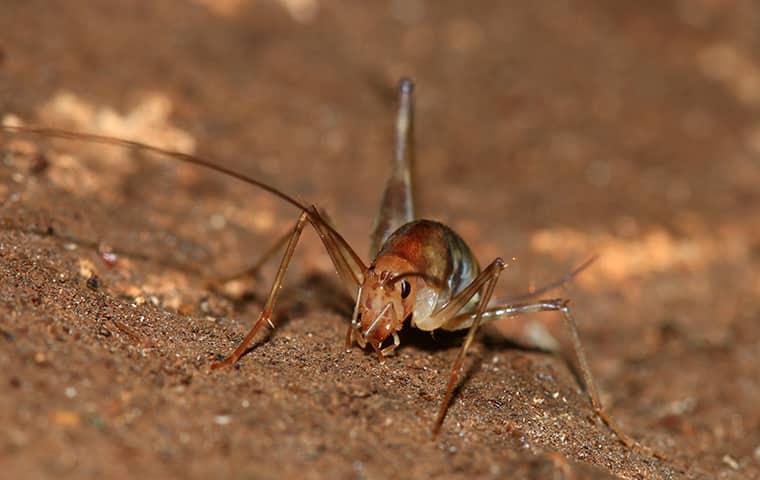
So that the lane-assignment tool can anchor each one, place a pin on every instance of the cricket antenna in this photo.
(184, 157)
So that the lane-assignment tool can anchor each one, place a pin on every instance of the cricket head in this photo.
(384, 301)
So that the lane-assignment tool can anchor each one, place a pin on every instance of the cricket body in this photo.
(422, 274)
(419, 265)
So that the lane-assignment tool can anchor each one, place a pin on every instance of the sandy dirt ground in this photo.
(546, 132)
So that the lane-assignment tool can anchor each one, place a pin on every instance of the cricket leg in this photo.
(343, 257)
(350, 267)
(216, 283)
(594, 396)
(485, 280)
(397, 206)
(266, 313)
(561, 305)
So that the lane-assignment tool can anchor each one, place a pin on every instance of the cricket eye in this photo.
(406, 288)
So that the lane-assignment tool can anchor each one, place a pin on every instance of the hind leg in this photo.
(561, 305)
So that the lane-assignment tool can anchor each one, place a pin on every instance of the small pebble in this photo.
(7, 335)
(66, 418)
(93, 283)
(222, 419)
(109, 258)
(728, 460)
(217, 221)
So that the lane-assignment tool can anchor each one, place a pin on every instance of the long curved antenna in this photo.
(566, 278)
(313, 216)
(184, 157)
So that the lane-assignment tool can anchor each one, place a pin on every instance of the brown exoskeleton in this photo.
(422, 273)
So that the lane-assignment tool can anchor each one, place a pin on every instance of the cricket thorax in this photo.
(440, 266)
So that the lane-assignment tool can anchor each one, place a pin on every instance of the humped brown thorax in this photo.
(440, 257)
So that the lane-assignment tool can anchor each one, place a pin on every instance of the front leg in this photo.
(266, 313)
(350, 268)
(487, 278)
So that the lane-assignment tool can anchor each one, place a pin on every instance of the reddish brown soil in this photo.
(545, 133)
